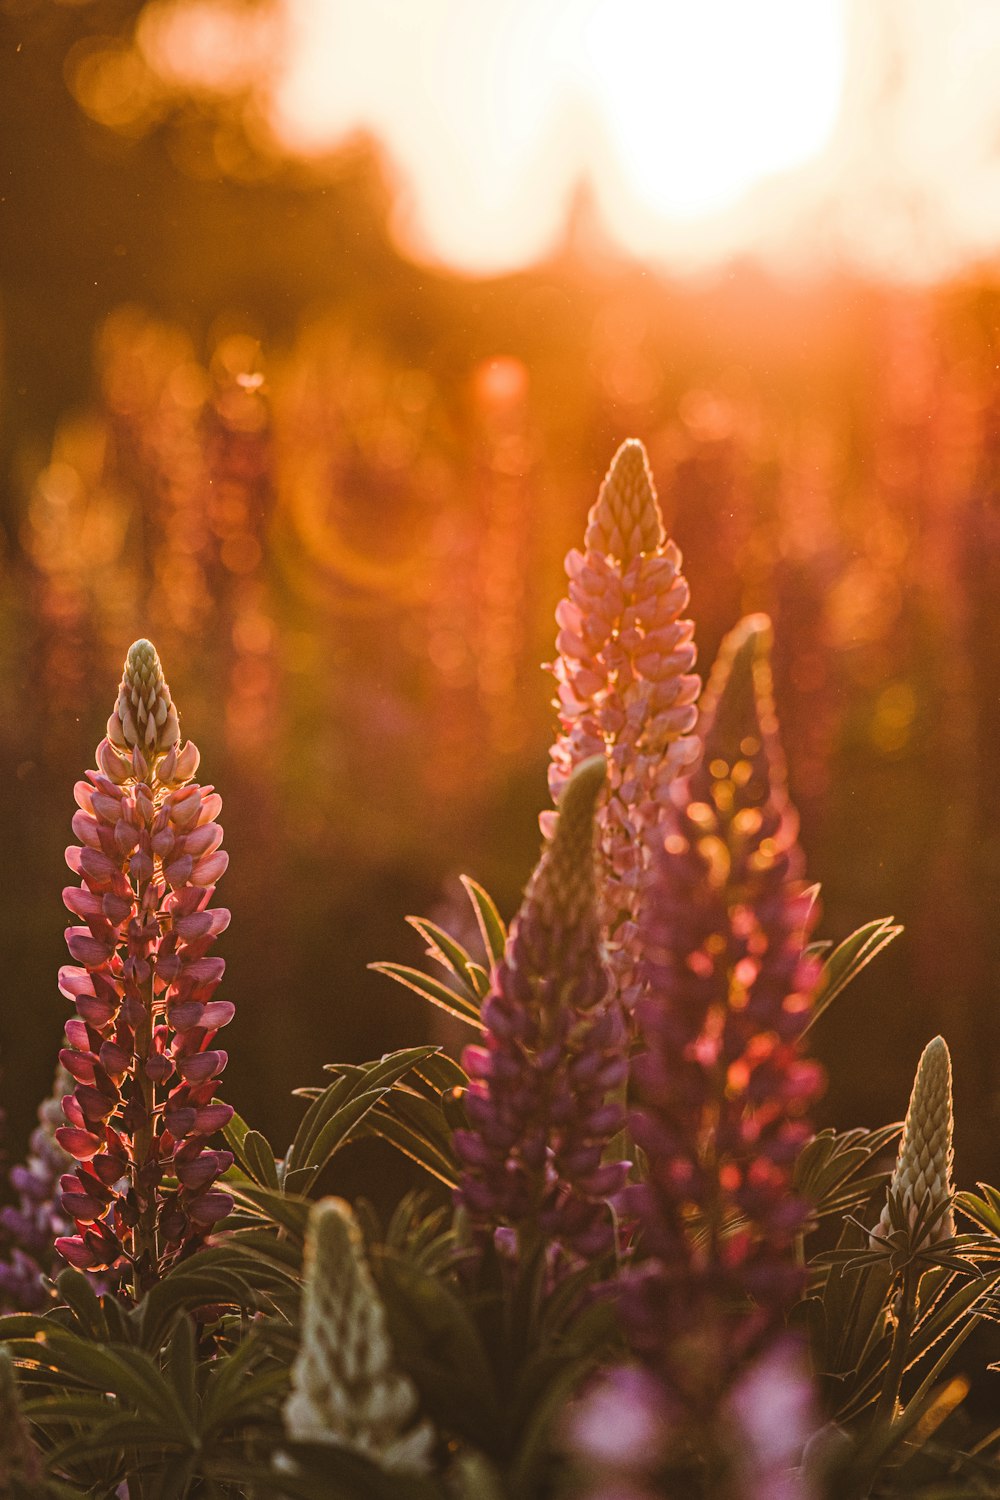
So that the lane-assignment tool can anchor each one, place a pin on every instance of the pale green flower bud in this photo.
(145, 718)
(922, 1178)
(346, 1389)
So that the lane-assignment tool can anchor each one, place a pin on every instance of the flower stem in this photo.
(889, 1397)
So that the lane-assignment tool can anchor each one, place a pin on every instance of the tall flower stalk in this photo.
(625, 686)
(722, 1087)
(539, 1105)
(140, 1048)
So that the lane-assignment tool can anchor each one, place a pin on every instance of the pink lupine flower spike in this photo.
(625, 687)
(143, 1110)
(722, 1087)
(540, 1103)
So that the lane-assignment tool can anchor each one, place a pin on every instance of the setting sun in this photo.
(701, 102)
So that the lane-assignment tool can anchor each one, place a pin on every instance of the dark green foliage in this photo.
(183, 1392)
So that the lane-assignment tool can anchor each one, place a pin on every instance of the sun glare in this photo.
(492, 115)
(702, 101)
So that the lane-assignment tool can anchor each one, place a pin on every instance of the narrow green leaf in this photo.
(181, 1367)
(284, 1209)
(491, 924)
(319, 1111)
(227, 1377)
(259, 1157)
(235, 1134)
(480, 980)
(387, 1069)
(149, 1440)
(77, 1292)
(335, 1133)
(984, 1211)
(414, 1143)
(129, 1373)
(264, 1245)
(441, 1074)
(212, 1276)
(434, 990)
(443, 948)
(848, 959)
(949, 1310)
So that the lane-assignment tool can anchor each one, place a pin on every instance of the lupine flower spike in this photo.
(32, 1226)
(625, 687)
(346, 1389)
(541, 1117)
(722, 1087)
(921, 1192)
(143, 1110)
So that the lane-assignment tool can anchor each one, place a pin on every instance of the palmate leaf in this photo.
(130, 1375)
(468, 982)
(423, 1236)
(414, 1117)
(336, 1132)
(950, 1302)
(828, 1167)
(947, 1317)
(449, 953)
(335, 1113)
(847, 960)
(848, 1323)
(236, 1387)
(984, 1211)
(213, 1277)
(118, 1404)
(264, 1206)
(416, 1127)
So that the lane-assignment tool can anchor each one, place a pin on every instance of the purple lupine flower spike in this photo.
(539, 1101)
(141, 1051)
(31, 1226)
(722, 1086)
(625, 686)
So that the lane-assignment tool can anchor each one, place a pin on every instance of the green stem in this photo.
(887, 1401)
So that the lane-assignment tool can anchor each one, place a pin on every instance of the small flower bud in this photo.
(922, 1181)
(346, 1389)
(145, 718)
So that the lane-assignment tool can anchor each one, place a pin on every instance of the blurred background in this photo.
(319, 324)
